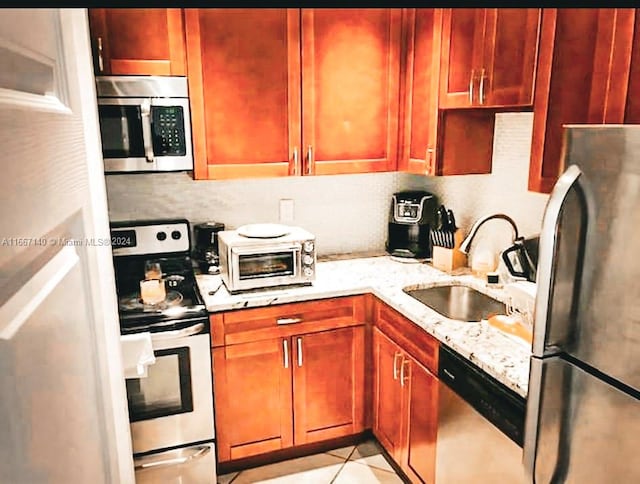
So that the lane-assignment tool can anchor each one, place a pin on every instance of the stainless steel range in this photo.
(171, 401)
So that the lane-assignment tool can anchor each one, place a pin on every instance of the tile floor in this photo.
(362, 464)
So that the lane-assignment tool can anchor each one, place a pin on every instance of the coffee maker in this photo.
(205, 251)
(411, 217)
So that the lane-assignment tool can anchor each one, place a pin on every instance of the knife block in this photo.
(448, 260)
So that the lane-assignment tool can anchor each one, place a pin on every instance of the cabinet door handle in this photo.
(309, 160)
(296, 161)
(100, 60)
(429, 170)
(288, 320)
(481, 89)
(473, 72)
(299, 342)
(285, 347)
(402, 375)
(395, 364)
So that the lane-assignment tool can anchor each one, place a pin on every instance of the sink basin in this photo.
(458, 302)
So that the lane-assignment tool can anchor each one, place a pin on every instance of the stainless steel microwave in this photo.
(145, 123)
(250, 258)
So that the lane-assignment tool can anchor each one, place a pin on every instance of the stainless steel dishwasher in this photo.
(480, 426)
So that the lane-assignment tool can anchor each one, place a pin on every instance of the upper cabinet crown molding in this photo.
(138, 41)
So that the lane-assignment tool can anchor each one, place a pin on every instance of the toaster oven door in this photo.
(266, 266)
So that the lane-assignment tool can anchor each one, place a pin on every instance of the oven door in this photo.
(145, 134)
(255, 267)
(173, 404)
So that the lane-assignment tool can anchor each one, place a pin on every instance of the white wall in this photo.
(348, 213)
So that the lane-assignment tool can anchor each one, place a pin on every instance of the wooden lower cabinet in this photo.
(252, 394)
(290, 390)
(328, 384)
(419, 458)
(405, 408)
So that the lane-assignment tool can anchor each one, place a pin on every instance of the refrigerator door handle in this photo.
(571, 179)
(538, 380)
(532, 419)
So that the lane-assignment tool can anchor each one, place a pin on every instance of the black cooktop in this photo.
(182, 301)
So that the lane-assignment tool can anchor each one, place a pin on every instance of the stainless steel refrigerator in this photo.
(583, 407)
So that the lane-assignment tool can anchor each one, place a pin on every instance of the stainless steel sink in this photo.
(458, 302)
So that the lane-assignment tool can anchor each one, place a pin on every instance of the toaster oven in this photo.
(253, 262)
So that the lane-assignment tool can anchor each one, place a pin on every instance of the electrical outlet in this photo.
(286, 210)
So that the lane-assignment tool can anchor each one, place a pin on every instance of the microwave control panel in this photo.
(167, 124)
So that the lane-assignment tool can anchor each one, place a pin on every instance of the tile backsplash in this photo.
(347, 213)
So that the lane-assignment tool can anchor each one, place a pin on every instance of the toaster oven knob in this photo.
(307, 260)
(308, 246)
(308, 271)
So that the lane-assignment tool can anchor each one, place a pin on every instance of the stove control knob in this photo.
(161, 236)
(307, 260)
(176, 234)
(308, 246)
(308, 271)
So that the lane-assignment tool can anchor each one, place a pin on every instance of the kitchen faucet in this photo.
(466, 243)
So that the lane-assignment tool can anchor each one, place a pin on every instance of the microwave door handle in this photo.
(145, 111)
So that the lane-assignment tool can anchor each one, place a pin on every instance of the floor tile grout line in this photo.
(343, 464)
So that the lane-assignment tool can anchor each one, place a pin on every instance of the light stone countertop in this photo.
(503, 357)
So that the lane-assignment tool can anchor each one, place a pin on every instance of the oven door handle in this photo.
(201, 452)
(180, 333)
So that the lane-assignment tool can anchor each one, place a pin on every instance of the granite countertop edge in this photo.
(503, 357)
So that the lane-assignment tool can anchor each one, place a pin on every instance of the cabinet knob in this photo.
(403, 378)
(299, 342)
(429, 159)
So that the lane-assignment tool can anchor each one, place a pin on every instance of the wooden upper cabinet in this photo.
(421, 68)
(438, 142)
(350, 90)
(511, 51)
(462, 50)
(138, 41)
(328, 391)
(583, 77)
(489, 57)
(244, 83)
(252, 398)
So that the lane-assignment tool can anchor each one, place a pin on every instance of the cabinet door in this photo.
(388, 418)
(632, 109)
(350, 90)
(244, 83)
(510, 51)
(142, 41)
(328, 384)
(419, 456)
(252, 393)
(462, 50)
(421, 59)
(568, 46)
